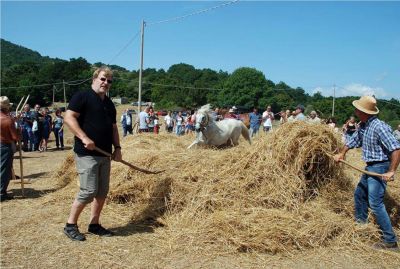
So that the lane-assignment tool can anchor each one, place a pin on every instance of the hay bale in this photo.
(283, 193)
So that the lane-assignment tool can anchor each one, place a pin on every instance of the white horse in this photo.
(218, 133)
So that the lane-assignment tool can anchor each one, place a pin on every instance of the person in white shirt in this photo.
(169, 122)
(267, 117)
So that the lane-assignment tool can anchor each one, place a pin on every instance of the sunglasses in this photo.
(109, 81)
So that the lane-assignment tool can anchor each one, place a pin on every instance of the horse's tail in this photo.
(246, 133)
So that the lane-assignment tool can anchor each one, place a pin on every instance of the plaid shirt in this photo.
(376, 139)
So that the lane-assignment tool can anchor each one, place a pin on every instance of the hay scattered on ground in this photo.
(282, 193)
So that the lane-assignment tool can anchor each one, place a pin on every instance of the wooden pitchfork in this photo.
(361, 170)
(129, 164)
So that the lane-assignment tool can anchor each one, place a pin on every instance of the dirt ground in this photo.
(32, 233)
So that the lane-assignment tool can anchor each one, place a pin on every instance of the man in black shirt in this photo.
(91, 116)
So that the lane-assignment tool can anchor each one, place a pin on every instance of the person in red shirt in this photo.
(8, 137)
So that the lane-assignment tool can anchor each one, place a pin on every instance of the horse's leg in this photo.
(194, 143)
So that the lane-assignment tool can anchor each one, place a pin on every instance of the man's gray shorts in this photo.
(94, 177)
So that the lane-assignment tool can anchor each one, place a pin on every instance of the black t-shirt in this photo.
(96, 119)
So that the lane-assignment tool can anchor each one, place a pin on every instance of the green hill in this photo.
(12, 54)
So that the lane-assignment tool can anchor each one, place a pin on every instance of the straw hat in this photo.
(5, 102)
(366, 104)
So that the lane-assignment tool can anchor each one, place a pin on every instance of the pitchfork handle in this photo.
(129, 164)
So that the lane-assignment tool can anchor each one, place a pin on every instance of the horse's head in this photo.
(202, 121)
(203, 118)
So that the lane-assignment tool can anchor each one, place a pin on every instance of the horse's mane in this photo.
(205, 109)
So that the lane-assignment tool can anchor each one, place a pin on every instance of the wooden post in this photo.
(16, 110)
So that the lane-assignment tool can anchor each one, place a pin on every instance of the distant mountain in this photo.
(12, 54)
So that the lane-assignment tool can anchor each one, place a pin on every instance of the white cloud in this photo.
(353, 89)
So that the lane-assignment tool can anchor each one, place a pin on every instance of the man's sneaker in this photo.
(99, 230)
(386, 246)
(73, 233)
(5, 197)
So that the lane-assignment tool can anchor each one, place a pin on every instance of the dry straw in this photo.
(282, 193)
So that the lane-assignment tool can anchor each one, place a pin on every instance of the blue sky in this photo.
(314, 45)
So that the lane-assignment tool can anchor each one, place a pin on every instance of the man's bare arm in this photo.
(71, 120)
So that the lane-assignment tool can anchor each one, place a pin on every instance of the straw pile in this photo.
(280, 194)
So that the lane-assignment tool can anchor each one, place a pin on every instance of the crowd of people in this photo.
(36, 126)
(183, 122)
(91, 117)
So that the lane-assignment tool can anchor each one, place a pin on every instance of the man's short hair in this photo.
(107, 72)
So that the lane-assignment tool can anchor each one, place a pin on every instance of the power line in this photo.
(48, 84)
(184, 87)
(191, 14)
(79, 83)
(125, 47)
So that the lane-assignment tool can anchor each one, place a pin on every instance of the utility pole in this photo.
(54, 89)
(65, 98)
(333, 101)
(140, 71)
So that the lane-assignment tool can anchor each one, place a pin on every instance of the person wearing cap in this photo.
(300, 113)
(314, 118)
(381, 152)
(8, 136)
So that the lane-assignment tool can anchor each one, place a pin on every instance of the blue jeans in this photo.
(179, 130)
(6, 166)
(254, 130)
(369, 193)
(29, 139)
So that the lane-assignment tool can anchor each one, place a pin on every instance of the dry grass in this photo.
(247, 206)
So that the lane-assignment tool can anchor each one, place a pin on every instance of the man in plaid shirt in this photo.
(381, 152)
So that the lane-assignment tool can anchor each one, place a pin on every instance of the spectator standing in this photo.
(381, 152)
(58, 129)
(331, 122)
(8, 137)
(231, 114)
(36, 126)
(179, 121)
(144, 120)
(45, 122)
(26, 121)
(169, 122)
(156, 123)
(268, 117)
(126, 122)
(314, 118)
(292, 116)
(91, 117)
(300, 113)
(255, 120)
(189, 128)
(396, 133)
(349, 128)
(284, 116)
(152, 116)
(216, 114)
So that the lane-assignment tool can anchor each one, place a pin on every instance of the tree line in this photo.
(181, 86)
